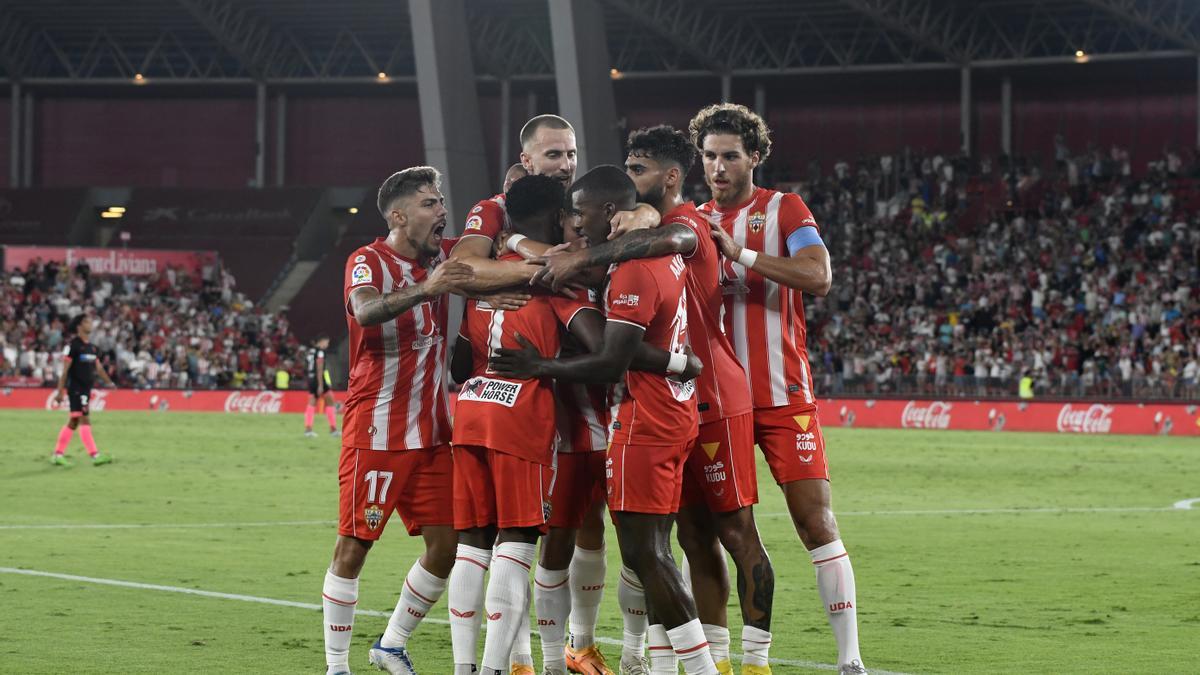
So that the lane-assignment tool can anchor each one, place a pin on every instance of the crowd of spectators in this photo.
(170, 330)
(962, 278)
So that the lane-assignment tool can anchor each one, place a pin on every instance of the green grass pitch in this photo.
(1099, 574)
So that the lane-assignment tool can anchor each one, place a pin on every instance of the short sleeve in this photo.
(632, 295)
(69, 352)
(486, 219)
(566, 308)
(363, 269)
(793, 215)
(701, 231)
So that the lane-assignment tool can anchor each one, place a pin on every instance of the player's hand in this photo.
(642, 217)
(559, 270)
(729, 248)
(449, 277)
(58, 396)
(508, 301)
(693, 368)
(518, 364)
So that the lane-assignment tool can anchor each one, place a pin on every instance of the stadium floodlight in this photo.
(615, 74)
(112, 214)
(352, 210)
(1081, 56)
(116, 209)
(139, 79)
(383, 76)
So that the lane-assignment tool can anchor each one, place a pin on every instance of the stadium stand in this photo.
(39, 216)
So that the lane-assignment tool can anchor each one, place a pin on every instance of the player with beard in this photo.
(774, 253)
(548, 148)
(80, 365)
(395, 447)
(720, 486)
(654, 417)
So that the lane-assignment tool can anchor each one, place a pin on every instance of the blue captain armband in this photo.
(802, 238)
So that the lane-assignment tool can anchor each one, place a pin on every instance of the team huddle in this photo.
(620, 348)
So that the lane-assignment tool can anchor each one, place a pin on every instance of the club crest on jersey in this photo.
(474, 223)
(361, 274)
(546, 510)
(374, 516)
(486, 390)
(682, 391)
(756, 221)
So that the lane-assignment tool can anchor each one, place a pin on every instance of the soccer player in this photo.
(720, 485)
(655, 416)
(775, 253)
(395, 451)
(80, 365)
(318, 388)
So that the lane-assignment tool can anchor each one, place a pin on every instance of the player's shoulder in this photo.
(485, 211)
(362, 254)
(685, 214)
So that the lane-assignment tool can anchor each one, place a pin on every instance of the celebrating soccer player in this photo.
(80, 365)
(318, 388)
(395, 451)
(775, 253)
(655, 420)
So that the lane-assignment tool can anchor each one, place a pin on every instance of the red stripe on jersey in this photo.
(764, 319)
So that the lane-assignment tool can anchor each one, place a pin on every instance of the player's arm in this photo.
(461, 363)
(371, 308)
(588, 327)
(563, 268)
(641, 217)
(604, 366)
(807, 269)
(104, 374)
(62, 377)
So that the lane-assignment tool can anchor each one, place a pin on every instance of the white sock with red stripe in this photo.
(466, 603)
(835, 581)
(662, 656)
(692, 649)
(588, 569)
(632, 600)
(718, 641)
(338, 598)
(507, 599)
(522, 651)
(552, 598)
(421, 592)
(756, 643)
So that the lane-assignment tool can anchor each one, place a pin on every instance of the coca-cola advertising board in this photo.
(1072, 417)
(261, 402)
(124, 261)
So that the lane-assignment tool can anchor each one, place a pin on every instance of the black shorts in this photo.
(78, 399)
(312, 389)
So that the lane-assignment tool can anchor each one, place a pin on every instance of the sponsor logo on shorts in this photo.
(715, 473)
(474, 223)
(806, 443)
(710, 449)
(487, 390)
(756, 221)
(361, 274)
(374, 516)
(803, 421)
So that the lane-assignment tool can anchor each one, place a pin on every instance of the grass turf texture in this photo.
(1083, 592)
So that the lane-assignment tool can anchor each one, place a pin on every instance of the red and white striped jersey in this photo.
(397, 394)
(488, 218)
(765, 319)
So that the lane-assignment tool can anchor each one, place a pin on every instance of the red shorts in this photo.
(578, 483)
(720, 471)
(790, 437)
(645, 478)
(373, 483)
(496, 488)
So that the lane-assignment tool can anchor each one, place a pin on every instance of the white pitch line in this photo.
(953, 512)
(315, 607)
(1186, 504)
(164, 526)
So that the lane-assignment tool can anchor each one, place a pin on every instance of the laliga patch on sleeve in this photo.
(361, 274)
(477, 209)
(474, 223)
(359, 258)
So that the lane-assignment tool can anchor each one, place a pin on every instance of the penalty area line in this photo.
(315, 607)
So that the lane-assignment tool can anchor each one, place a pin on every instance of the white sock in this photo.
(662, 656)
(421, 591)
(755, 645)
(552, 598)
(718, 641)
(835, 581)
(632, 600)
(338, 598)
(692, 649)
(522, 650)
(588, 569)
(507, 599)
(466, 603)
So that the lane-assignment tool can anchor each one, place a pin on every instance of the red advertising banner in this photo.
(1167, 419)
(127, 261)
(236, 401)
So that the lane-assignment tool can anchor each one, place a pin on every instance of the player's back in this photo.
(763, 318)
(511, 415)
(650, 408)
(722, 388)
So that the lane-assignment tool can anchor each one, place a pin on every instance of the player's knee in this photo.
(696, 541)
(557, 549)
(739, 536)
(817, 528)
(349, 554)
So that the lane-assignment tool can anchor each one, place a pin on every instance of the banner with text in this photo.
(230, 401)
(127, 261)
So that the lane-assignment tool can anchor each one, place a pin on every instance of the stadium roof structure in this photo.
(78, 42)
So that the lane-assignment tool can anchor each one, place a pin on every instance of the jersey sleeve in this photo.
(702, 232)
(70, 352)
(363, 269)
(566, 308)
(632, 294)
(793, 215)
(485, 220)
